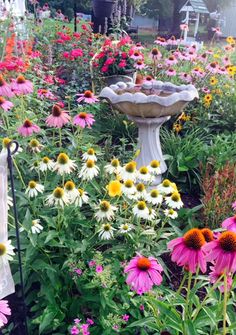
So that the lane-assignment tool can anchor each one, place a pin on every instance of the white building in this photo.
(228, 18)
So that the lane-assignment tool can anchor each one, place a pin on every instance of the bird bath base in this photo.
(149, 143)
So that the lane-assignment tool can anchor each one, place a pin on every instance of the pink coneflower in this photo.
(160, 41)
(206, 90)
(184, 27)
(58, 118)
(4, 310)
(22, 86)
(139, 65)
(222, 70)
(217, 31)
(5, 89)
(171, 60)
(230, 224)
(172, 41)
(88, 97)
(136, 55)
(214, 277)
(155, 54)
(203, 57)
(213, 67)
(5, 104)
(191, 55)
(28, 128)
(139, 46)
(44, 93)
(185, 77)
(222, 252)
(170, 72)
(188, 250)
(198, 72)
(226, 60)
(84, 119)
(143, 273)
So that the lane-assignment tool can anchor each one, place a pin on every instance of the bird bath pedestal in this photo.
(149, 106)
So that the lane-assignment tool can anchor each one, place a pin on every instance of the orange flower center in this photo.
(194, 239)
(88, 94)
(56, 110)
(2, 100)
(44, 91)
(139, 62)
(213, 64)
(208, 234)
(82, 115)
(136, 54)
(155, 52)
(228, 241)
(171, 58)
(2, 81)
(143, 264)
(149, 78)
(27, 123)
(20, 79)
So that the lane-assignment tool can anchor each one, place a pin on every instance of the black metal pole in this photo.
(10, 167)
(75, 17)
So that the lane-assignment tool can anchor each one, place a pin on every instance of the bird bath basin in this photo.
(149, 106)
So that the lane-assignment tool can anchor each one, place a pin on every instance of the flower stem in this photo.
(188, 293)
(225, 304)
(19, 173)
(181, 284)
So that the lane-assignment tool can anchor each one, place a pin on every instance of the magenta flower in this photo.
(88, 97)
(230, 224)
(5, 104)
(222, 252)
(4, 310)
(143, 273)
(5, 89)
(214, 277)
(22, 86)
(28, 128)
(84, 119)
(58, 118)
(125, 317)
(78, 272)
(44, 93)
(187, 250)
(99, 268)
(91, 263)
(234, 205)
(74, 330)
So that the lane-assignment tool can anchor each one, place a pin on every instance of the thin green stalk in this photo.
(181, 284)
(188, 293)
(225, 303)
(19, 173)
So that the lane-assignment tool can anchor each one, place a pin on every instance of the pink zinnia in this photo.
(88, 97)
(4, 310)
(99, 268)
(58, 118)
(83, 119)
(188, 251)
(230, 224)
(214, 277)
(143, 273)
(74, 330)
(5, 89)
(22, 86)
(28, 128)
(222, 252)
(5, 104)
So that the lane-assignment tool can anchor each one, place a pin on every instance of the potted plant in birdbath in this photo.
(149, 105)
(112, 63)
(103, 8)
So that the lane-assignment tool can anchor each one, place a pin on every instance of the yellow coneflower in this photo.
(177, 127)
(114, 188)
(213, 81)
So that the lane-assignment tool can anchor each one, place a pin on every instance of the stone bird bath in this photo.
(149, 106)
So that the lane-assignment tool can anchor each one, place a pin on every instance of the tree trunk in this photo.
(178, 4)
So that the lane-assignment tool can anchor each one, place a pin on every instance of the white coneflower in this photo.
(89, 170)
(165, 187)
(58, 198)
(174, 201)
(35, 166)
(6, 251)
(152, 214)
(46, 164)
(36, 226)
(129, 172)
(90, 154)
(154, 167)
(128, 188)
(81, 198)
(106, 232)
(141, 192)
(141, 210)
(5, 143)
(71, 191)
(171, 213)
(34, 188)
(105, 211)
(154, 197)
(144, 175)
(113, 167)
(64, 164)
(35, 146)
(125, 228)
